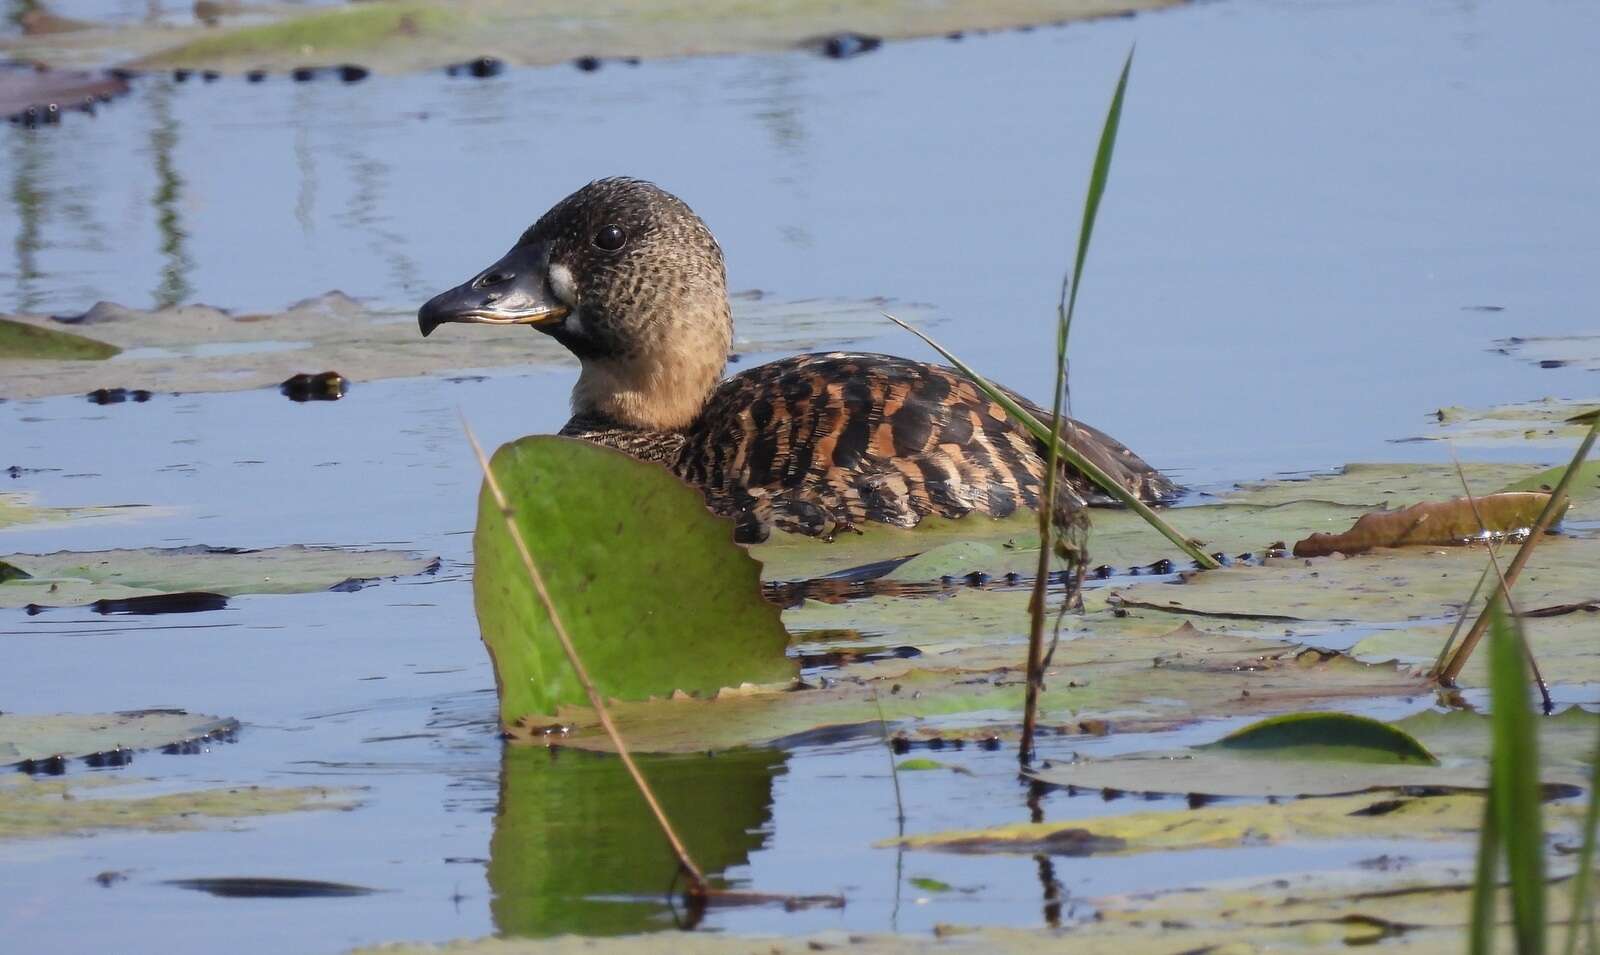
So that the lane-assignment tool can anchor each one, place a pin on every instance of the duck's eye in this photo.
(610, 238)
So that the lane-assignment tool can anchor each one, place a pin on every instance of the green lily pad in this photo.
(75, 578)
(1461, 739)
(1120, 682)
(40, 808)
(1384, 485)
(18, 508)
(1455, 816)
(1319, 737)
(404, 35)
(198, 348)
(1583, 492)
(655, 594)
(1538, 423)
(19, 341)
(69, 735)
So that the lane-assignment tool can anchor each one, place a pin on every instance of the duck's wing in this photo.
(821, 441)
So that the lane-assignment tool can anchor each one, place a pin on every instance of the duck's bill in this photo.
(510, 292)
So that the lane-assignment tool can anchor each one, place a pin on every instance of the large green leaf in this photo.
(650, 585)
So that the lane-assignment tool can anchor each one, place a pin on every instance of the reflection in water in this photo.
(28, 198)
(575, 850)
(174, 287)
(1053, 890)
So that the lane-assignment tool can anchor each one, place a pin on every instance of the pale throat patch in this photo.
(566, 291)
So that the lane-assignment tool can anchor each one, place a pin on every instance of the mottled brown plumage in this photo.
(814, 443)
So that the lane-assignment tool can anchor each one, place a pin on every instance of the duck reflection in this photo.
(575, 849)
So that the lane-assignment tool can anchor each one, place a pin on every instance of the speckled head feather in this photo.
(648, 318)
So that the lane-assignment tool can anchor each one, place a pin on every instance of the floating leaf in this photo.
(651, 587)
(1343, 818)
(1325, 736)
(198, 348)
(408, 35)
(75, 578)
(20, 341)
(1461, 740)
(33, 808)
(69, 736)
(1124, 681)
(1456, 521)
(1583, 492)
(1547, 422)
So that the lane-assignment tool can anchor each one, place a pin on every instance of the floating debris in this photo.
(482, 67)
(327, 386)
(843, 46)
(116, 396)
(35, 96)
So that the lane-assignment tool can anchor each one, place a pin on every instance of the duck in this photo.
(627, 278)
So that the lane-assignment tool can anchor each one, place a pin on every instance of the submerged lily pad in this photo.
(70, 735)
(39, 808)
(655, 594)
(74, 578)
(198, 348)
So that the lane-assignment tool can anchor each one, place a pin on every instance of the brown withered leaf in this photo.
(1454, 521)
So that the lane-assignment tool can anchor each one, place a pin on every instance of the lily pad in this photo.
(20, 340)
(1461, 739)
(1384, 485)
(1320, 737)
(198, 348)
(1554, 351)
(1119, 683)
(1537, 423)
(75, 578)
(1455, 816)
(24, 88)
(655, 594)
(1583, 492)
(33, 808)
(68, 736)
(19, 508)
(399, 36)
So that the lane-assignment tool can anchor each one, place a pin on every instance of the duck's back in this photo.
(818, 442)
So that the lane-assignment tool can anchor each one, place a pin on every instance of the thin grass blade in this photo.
(1514, 783)
(1583, 881)
(1481, 934)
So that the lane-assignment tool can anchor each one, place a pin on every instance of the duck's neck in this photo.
(665, 378)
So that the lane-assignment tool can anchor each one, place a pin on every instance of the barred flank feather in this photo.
(824, 442)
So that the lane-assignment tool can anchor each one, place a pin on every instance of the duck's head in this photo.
(628, 278)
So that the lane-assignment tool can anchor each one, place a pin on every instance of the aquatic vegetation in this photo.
(76, 578)
(657, 597)
(20, 341)
(47, 743)
(198, 348)
(405, 35)
(33, 808)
